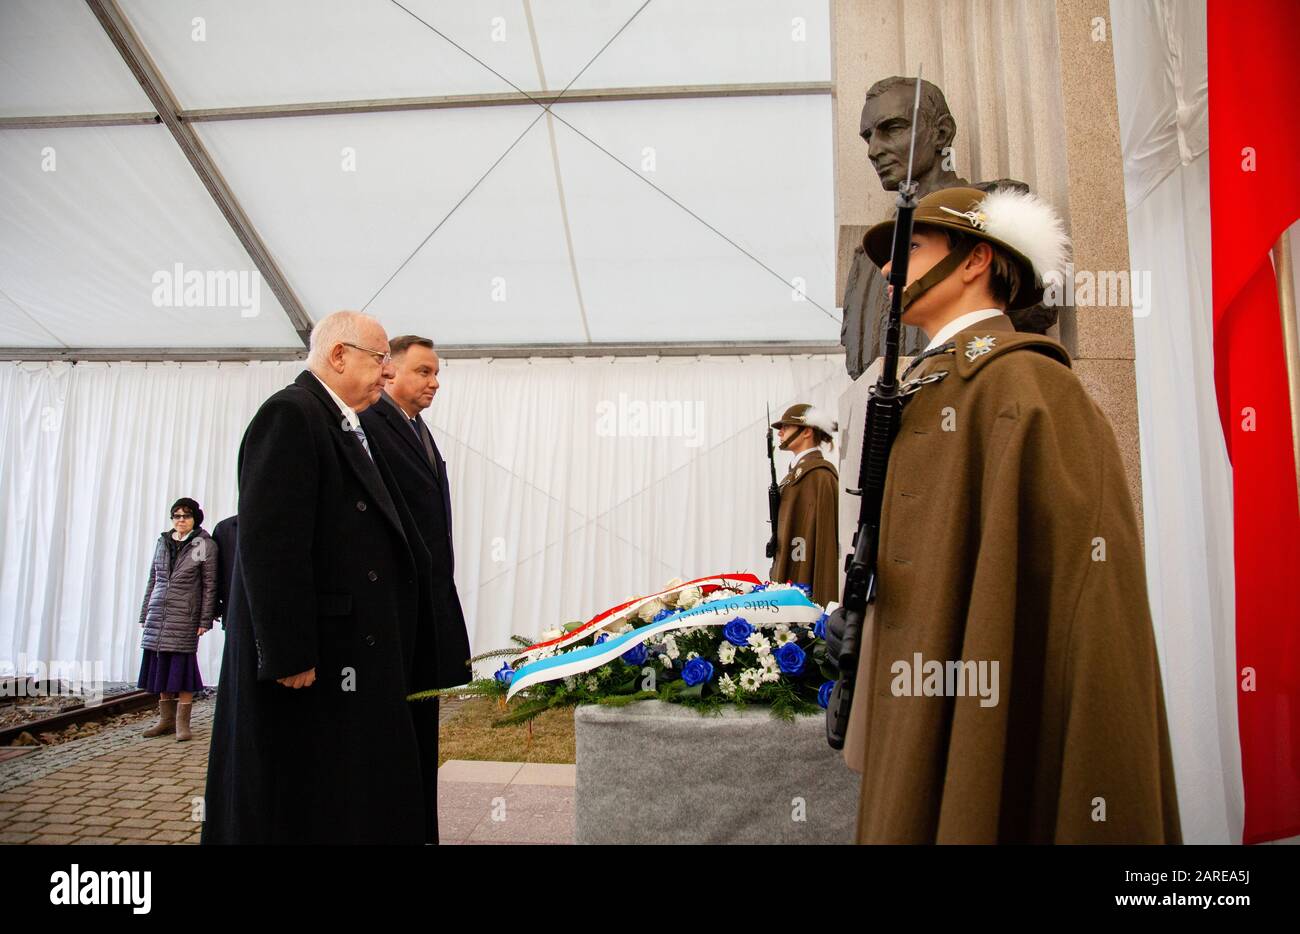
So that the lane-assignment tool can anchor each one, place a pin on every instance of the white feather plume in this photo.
(1030, 225)
(820, 418)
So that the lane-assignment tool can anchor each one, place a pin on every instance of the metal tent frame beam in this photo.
(508, 99)
(447, 351)
(437, 102)
(137, 58)
(60, 121)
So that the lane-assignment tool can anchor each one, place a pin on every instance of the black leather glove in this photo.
(835, 637)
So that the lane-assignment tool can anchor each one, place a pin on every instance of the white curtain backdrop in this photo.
(1186, 478)
(575, 482)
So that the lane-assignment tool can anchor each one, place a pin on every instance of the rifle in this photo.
(773, 491)
(884, 411)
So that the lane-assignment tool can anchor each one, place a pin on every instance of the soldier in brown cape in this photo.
(1009, 689)
(807, 529)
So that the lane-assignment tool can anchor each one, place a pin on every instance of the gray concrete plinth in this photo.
(659, 773)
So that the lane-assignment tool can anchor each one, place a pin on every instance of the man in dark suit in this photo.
(226, 534)
(395, 426)
(330, 620)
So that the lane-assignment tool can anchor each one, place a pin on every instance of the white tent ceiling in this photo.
(693, 215)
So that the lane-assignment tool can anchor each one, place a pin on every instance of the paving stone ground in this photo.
(119, 787)
(113, 787)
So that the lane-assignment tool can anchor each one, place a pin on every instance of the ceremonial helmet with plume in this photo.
(805, 415)
(1020, 224)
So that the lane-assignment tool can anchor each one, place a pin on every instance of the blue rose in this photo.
(504, 674)
(819, 629)
(759, 588)
(662, 614)
(790, 658)
(737, 632)
(824, 693)
(636, 655)
(697, 671)
(603, 637)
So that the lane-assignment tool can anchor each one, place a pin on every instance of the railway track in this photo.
(85, 713)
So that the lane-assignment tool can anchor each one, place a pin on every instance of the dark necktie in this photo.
(415, 426)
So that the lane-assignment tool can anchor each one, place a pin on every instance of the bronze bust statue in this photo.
(886, 127)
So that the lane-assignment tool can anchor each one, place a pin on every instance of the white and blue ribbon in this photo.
(763, 608)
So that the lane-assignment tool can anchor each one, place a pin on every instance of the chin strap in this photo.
(940, 271)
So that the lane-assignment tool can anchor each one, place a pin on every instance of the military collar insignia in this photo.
(979, 346)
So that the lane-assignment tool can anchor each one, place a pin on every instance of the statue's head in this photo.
(887, 128)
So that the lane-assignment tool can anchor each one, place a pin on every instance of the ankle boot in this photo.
(183, 722)
(166, 719)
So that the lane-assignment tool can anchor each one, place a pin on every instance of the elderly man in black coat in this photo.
(330, 624)
(395, 426)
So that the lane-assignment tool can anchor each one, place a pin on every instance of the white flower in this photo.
(590, 684)
(726, 685)
(648, 611)
(666, 661)
(759, 643)
(768, 662)
(771, 674)
(688, 598)
(690, 655)
(550, 634)
(569, 683)
(670, 647)
(626, 627)
(675, 582)
(784, 637)
(726, 653)
(750, 679)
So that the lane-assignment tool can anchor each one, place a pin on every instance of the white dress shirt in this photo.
(959, 324)
(798, 457)
(353, 419)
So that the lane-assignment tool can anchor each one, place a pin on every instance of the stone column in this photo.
(1103, 336)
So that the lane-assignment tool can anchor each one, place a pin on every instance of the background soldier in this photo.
(807, 531)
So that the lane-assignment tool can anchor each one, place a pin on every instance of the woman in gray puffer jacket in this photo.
(179, 605)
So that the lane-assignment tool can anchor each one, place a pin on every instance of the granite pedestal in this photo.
(652, 772)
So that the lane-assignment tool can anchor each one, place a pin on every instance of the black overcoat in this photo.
(226, 534)
(331, 575)
(423, 484)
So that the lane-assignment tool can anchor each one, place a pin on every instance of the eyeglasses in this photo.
(383, 358)
(181, 515)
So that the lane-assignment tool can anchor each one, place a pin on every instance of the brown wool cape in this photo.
(807, 528)
(1009, 536)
